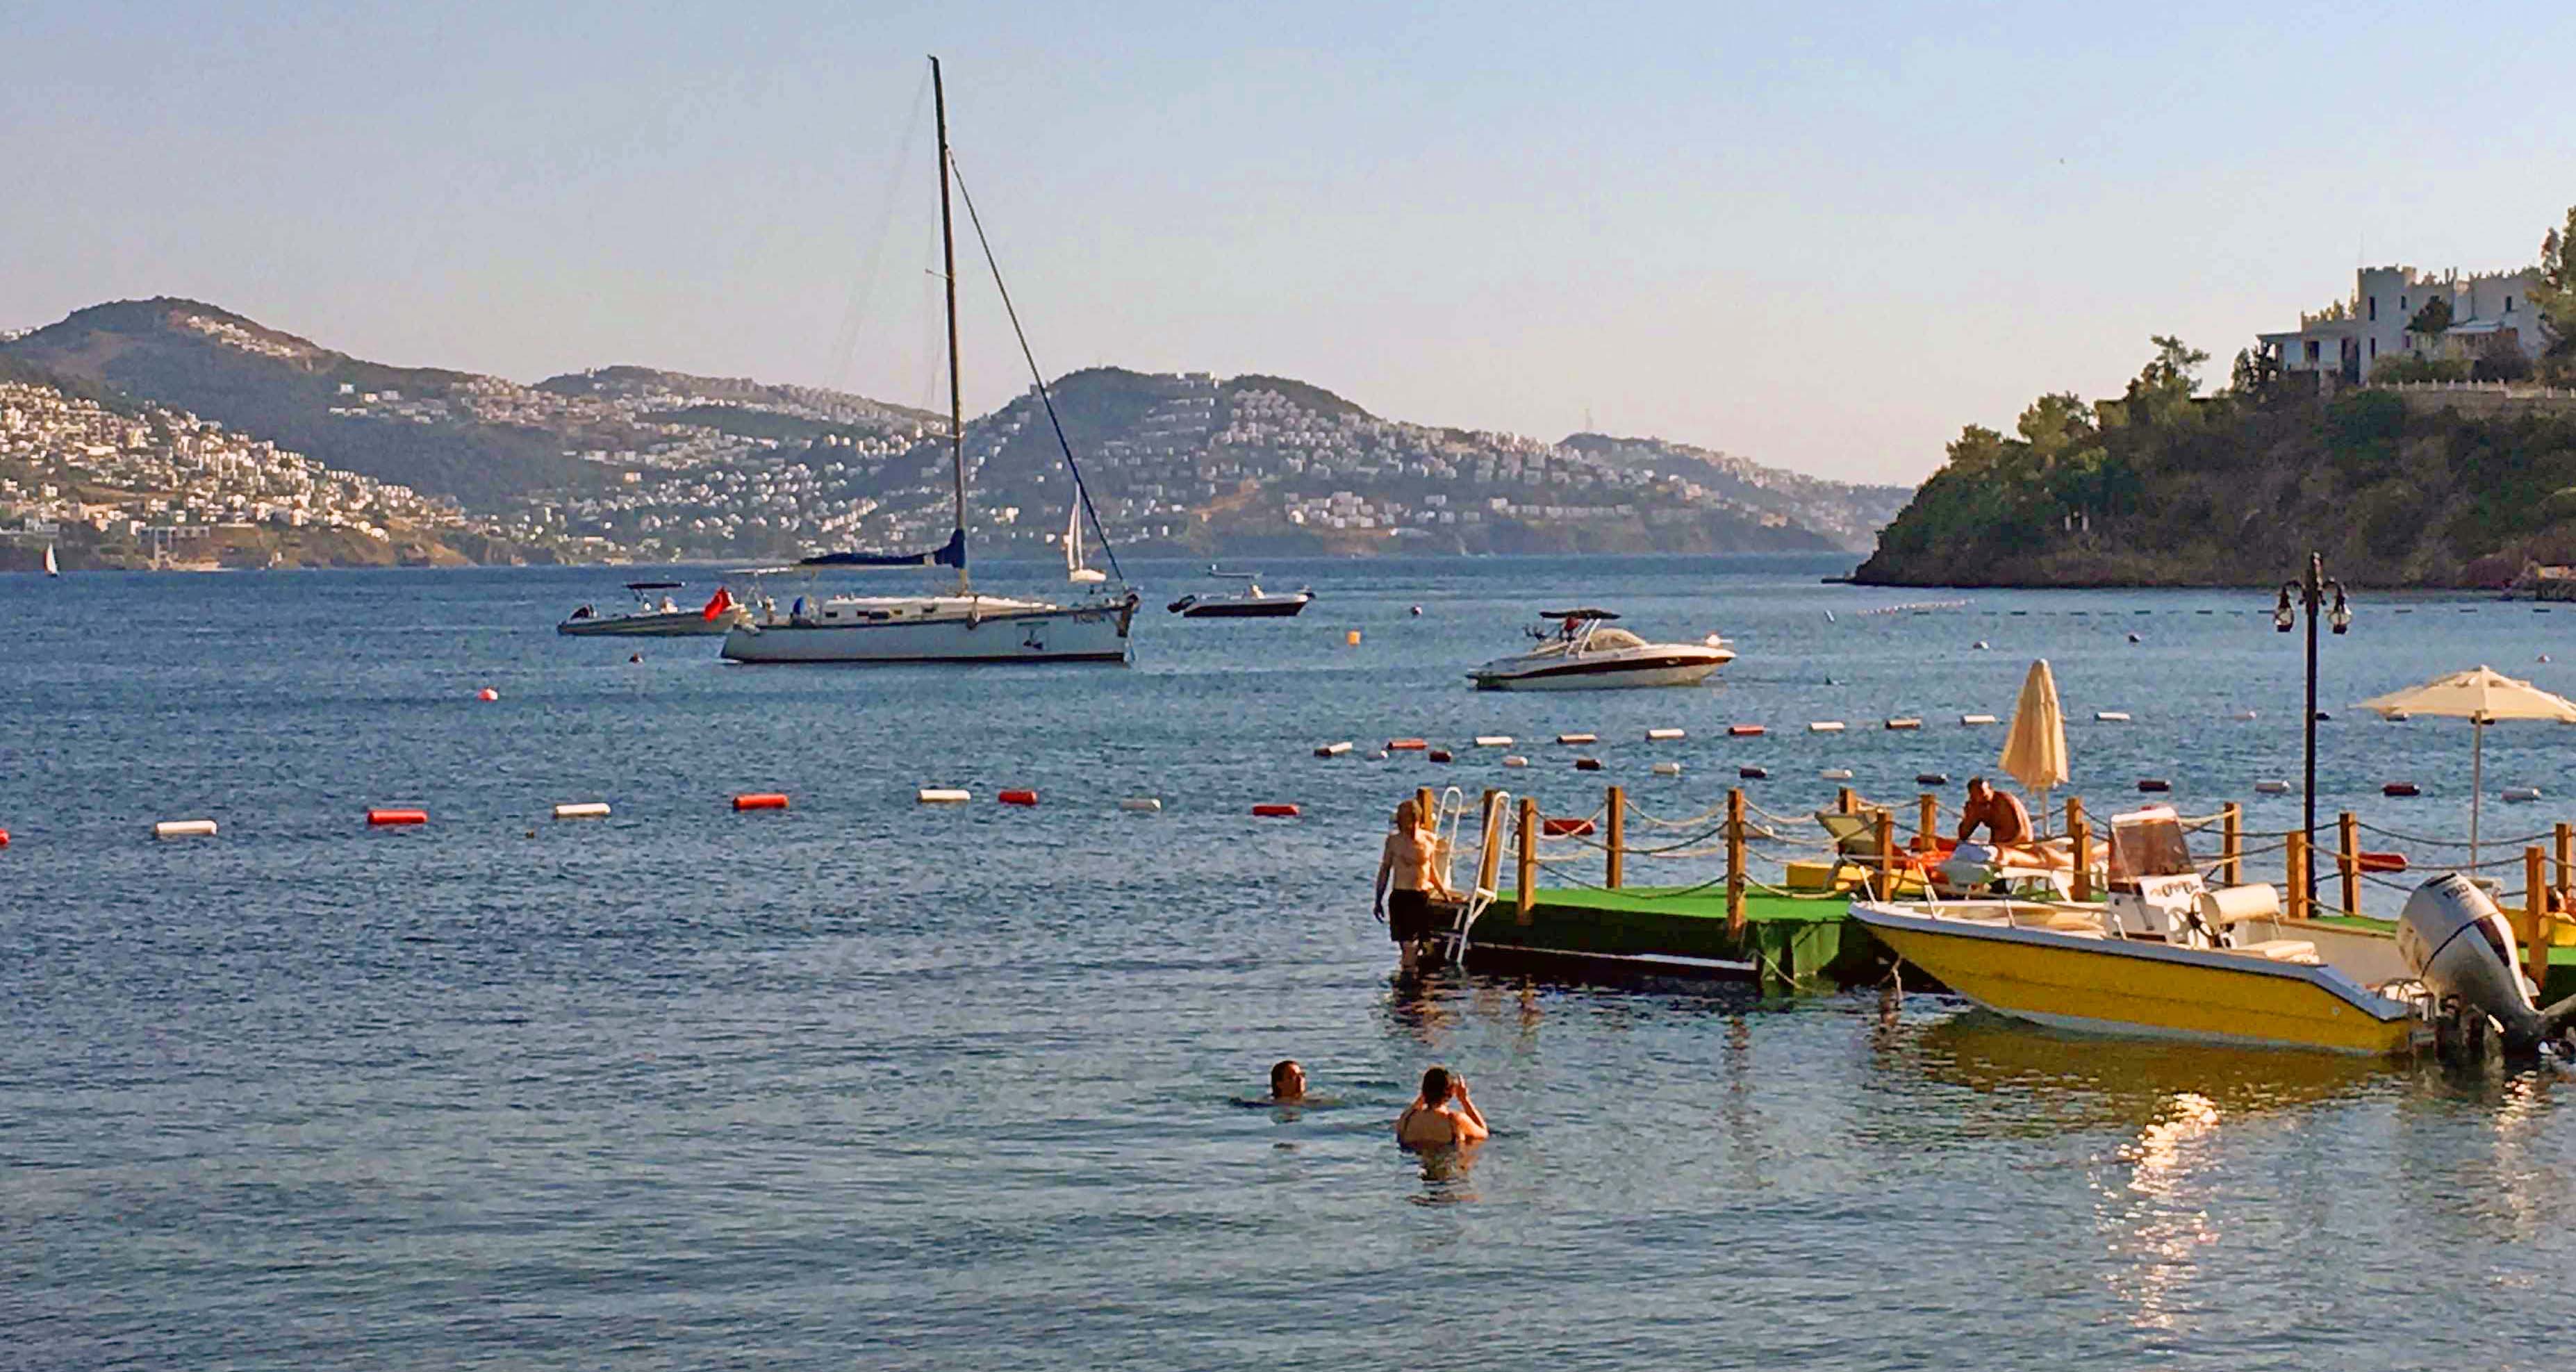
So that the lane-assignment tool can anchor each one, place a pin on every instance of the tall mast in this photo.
(948, 251)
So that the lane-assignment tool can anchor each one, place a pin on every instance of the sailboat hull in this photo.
(1085, 634)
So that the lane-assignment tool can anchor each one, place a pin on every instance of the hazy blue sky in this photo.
(1821, 235)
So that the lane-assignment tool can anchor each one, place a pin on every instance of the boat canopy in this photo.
(1576, 615)
(951, 555)
(655, 585)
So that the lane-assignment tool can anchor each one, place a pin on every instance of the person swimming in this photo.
(1409, 862)
(1443, 1114)
(1287, 1082)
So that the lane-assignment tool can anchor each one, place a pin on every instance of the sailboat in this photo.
(966, 626)
(1075, 569)
(52, 568)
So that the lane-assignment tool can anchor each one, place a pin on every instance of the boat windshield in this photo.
(1606, 639)
(2149, 843)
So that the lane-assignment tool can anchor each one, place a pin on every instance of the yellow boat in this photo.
(2165, 957)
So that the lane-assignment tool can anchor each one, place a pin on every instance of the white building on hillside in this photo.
(2385, 300)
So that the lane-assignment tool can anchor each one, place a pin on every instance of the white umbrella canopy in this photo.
(2480, 695)
(2035, 747)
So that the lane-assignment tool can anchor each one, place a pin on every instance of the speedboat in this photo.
(1251, 603)
(2168, 957)
(1582, 652)
(664, 619)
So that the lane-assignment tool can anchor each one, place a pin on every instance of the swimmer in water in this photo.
(1287, 1082)
(1443, 1114)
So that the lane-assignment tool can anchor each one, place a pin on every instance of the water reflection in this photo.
(2055, 1081)
(1447, 1174)
(2159, 1219)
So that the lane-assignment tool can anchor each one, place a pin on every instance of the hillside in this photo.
(2165, 487)
(657, 464)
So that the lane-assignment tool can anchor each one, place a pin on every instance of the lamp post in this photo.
(2309, 593)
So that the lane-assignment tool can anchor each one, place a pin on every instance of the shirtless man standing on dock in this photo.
(1409, 860)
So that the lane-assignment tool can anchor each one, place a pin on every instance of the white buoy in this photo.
(1835, 774)
(1142, 805)
(1515, 760)
(1577, 738)
(582, 809)
(184, 828)
(2521, 793)
(1663, 734)
(1976, 719)
(1982, 645)
(2245, 716)
(1825, 726)
(1668, 769)
(2272, 788)
(1493, 740)
(1331, 749)
(1905, 722)
(2112, 716)
(941, 795)
(1378, 756)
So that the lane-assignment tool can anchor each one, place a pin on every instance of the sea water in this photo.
(868, 1083)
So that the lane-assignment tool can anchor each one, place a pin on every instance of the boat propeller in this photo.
(2463, 949)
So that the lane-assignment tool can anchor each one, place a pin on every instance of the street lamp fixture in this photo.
(2310, 593)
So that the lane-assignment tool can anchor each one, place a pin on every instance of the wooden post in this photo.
(2232, 854)
(2348, 862)
(1618, 803)
(2535, 900)
(1489, 863)
(1735, 863)
(2566, 870)
(2080, 837)
(2294, 854)
(1528, 872)
(1886, 855)
(1927, 822)
(1426, 807)
(1845, 801)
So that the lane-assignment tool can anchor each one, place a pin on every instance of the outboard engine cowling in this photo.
(2461, 946)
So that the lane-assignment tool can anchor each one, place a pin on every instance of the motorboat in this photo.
(1251, 602)
(967, 625)
(1580, 650)
(2167, 956)
(662, 618)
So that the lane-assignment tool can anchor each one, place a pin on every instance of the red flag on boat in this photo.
(717, 604)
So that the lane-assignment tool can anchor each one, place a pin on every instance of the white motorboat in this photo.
(1582, 652)
(1251, 602)
(665, 618)
(966, 626)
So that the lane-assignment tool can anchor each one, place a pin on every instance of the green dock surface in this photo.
(1790, 943)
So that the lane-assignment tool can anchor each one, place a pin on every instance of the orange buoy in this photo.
(760, 800)
(2401, 788)
(1275, 810)
(4, 838)
(381, 818)
(1437, 755)
(1744, 731)
(487, 693)
(1562, 828)
(1406, 745)
(1017, 797)
(2380, 862)
(1587, 764)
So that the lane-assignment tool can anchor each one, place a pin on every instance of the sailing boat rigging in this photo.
(1075, 569)
(966, 626)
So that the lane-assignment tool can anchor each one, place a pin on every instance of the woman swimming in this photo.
(1443, 1114)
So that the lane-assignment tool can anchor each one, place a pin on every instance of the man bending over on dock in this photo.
(2000, 813)
(1410, 861)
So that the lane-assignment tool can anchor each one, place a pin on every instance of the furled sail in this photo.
(952, 555)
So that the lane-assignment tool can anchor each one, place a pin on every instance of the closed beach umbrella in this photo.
(2035, 748)
(2479, 696)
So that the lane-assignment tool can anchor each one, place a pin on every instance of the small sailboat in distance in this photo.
(1075, 569)
(52, 568)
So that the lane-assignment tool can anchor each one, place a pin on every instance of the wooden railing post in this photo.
(1886, 855)
(1528, 871)
(1927, 821)
(1846, 800)
(2348, 862)
(2079, 838)
(1618, 803)
(1426, 807)
(1735, 863)
(2565, 834)
(2294, 855)
(2535, 899)
(2232, 851)
(1489, 862)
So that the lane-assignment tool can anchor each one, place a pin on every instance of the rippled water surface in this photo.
(872, 1084)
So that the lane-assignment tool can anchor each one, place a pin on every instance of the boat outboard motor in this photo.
(2461, 946)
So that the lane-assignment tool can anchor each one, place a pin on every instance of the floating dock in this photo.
(1787, 943)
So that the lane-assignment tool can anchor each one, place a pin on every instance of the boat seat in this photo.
(2279, 950)
(2072, 922)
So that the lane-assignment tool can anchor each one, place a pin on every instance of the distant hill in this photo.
(668, 464)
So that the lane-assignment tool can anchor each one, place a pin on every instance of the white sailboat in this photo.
(1075, 569)
(52, 568)
(967, 626)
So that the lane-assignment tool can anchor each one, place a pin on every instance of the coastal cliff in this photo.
(2167, 487)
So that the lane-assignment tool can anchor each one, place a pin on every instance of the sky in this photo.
(1824, 236)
